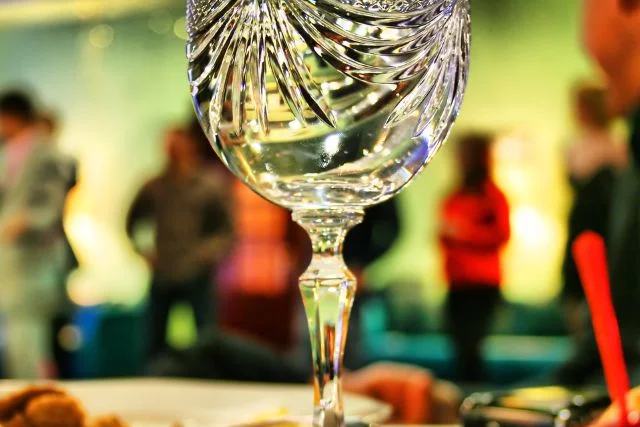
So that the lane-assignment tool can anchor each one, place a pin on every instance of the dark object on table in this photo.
(540, 407)
(222, 356)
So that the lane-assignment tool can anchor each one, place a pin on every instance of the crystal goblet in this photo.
(326, 107)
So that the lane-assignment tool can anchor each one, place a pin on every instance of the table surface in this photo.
(203, 403)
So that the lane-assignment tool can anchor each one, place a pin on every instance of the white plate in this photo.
(159, 402)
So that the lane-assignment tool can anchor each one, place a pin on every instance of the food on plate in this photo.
(611, 417)
(272, 424)
(52, 406)
(48, 406)
(14, 402)
(54, 410)
(112, 421)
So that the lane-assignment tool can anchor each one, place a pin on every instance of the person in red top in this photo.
(474, 227)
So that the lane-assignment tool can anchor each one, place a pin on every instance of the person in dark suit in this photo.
(593, 160)
(612, 37)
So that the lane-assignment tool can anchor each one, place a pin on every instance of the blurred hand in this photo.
(611, 417)
(416, 397)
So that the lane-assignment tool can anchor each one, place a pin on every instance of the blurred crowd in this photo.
(234, 258)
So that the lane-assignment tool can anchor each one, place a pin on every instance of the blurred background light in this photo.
(70, 337)
(180, 28)
(15, 13)
(531, 228)
(101, 36)
(160, 22)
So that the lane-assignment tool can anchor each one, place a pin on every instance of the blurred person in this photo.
(189, 207)
(370, 240)
(612, 38)
(48, 126)
(365, 244)
(474, 227)
(592, 161)
(33, 187)
(256, 283)
(209, 158)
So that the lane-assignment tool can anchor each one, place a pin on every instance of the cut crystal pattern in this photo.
(417, 48)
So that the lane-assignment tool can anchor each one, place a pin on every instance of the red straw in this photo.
(591, 259)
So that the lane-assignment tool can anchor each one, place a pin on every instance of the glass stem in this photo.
(328, 289)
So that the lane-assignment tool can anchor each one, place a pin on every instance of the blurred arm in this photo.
(141, 208)
(414, 394)
(44, 201)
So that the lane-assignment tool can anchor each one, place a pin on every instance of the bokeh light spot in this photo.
(70, 338)
(180, 28)
(101, 36)
(160, 22)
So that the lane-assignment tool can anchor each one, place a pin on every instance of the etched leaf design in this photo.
(439, 92)
(420, 45)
